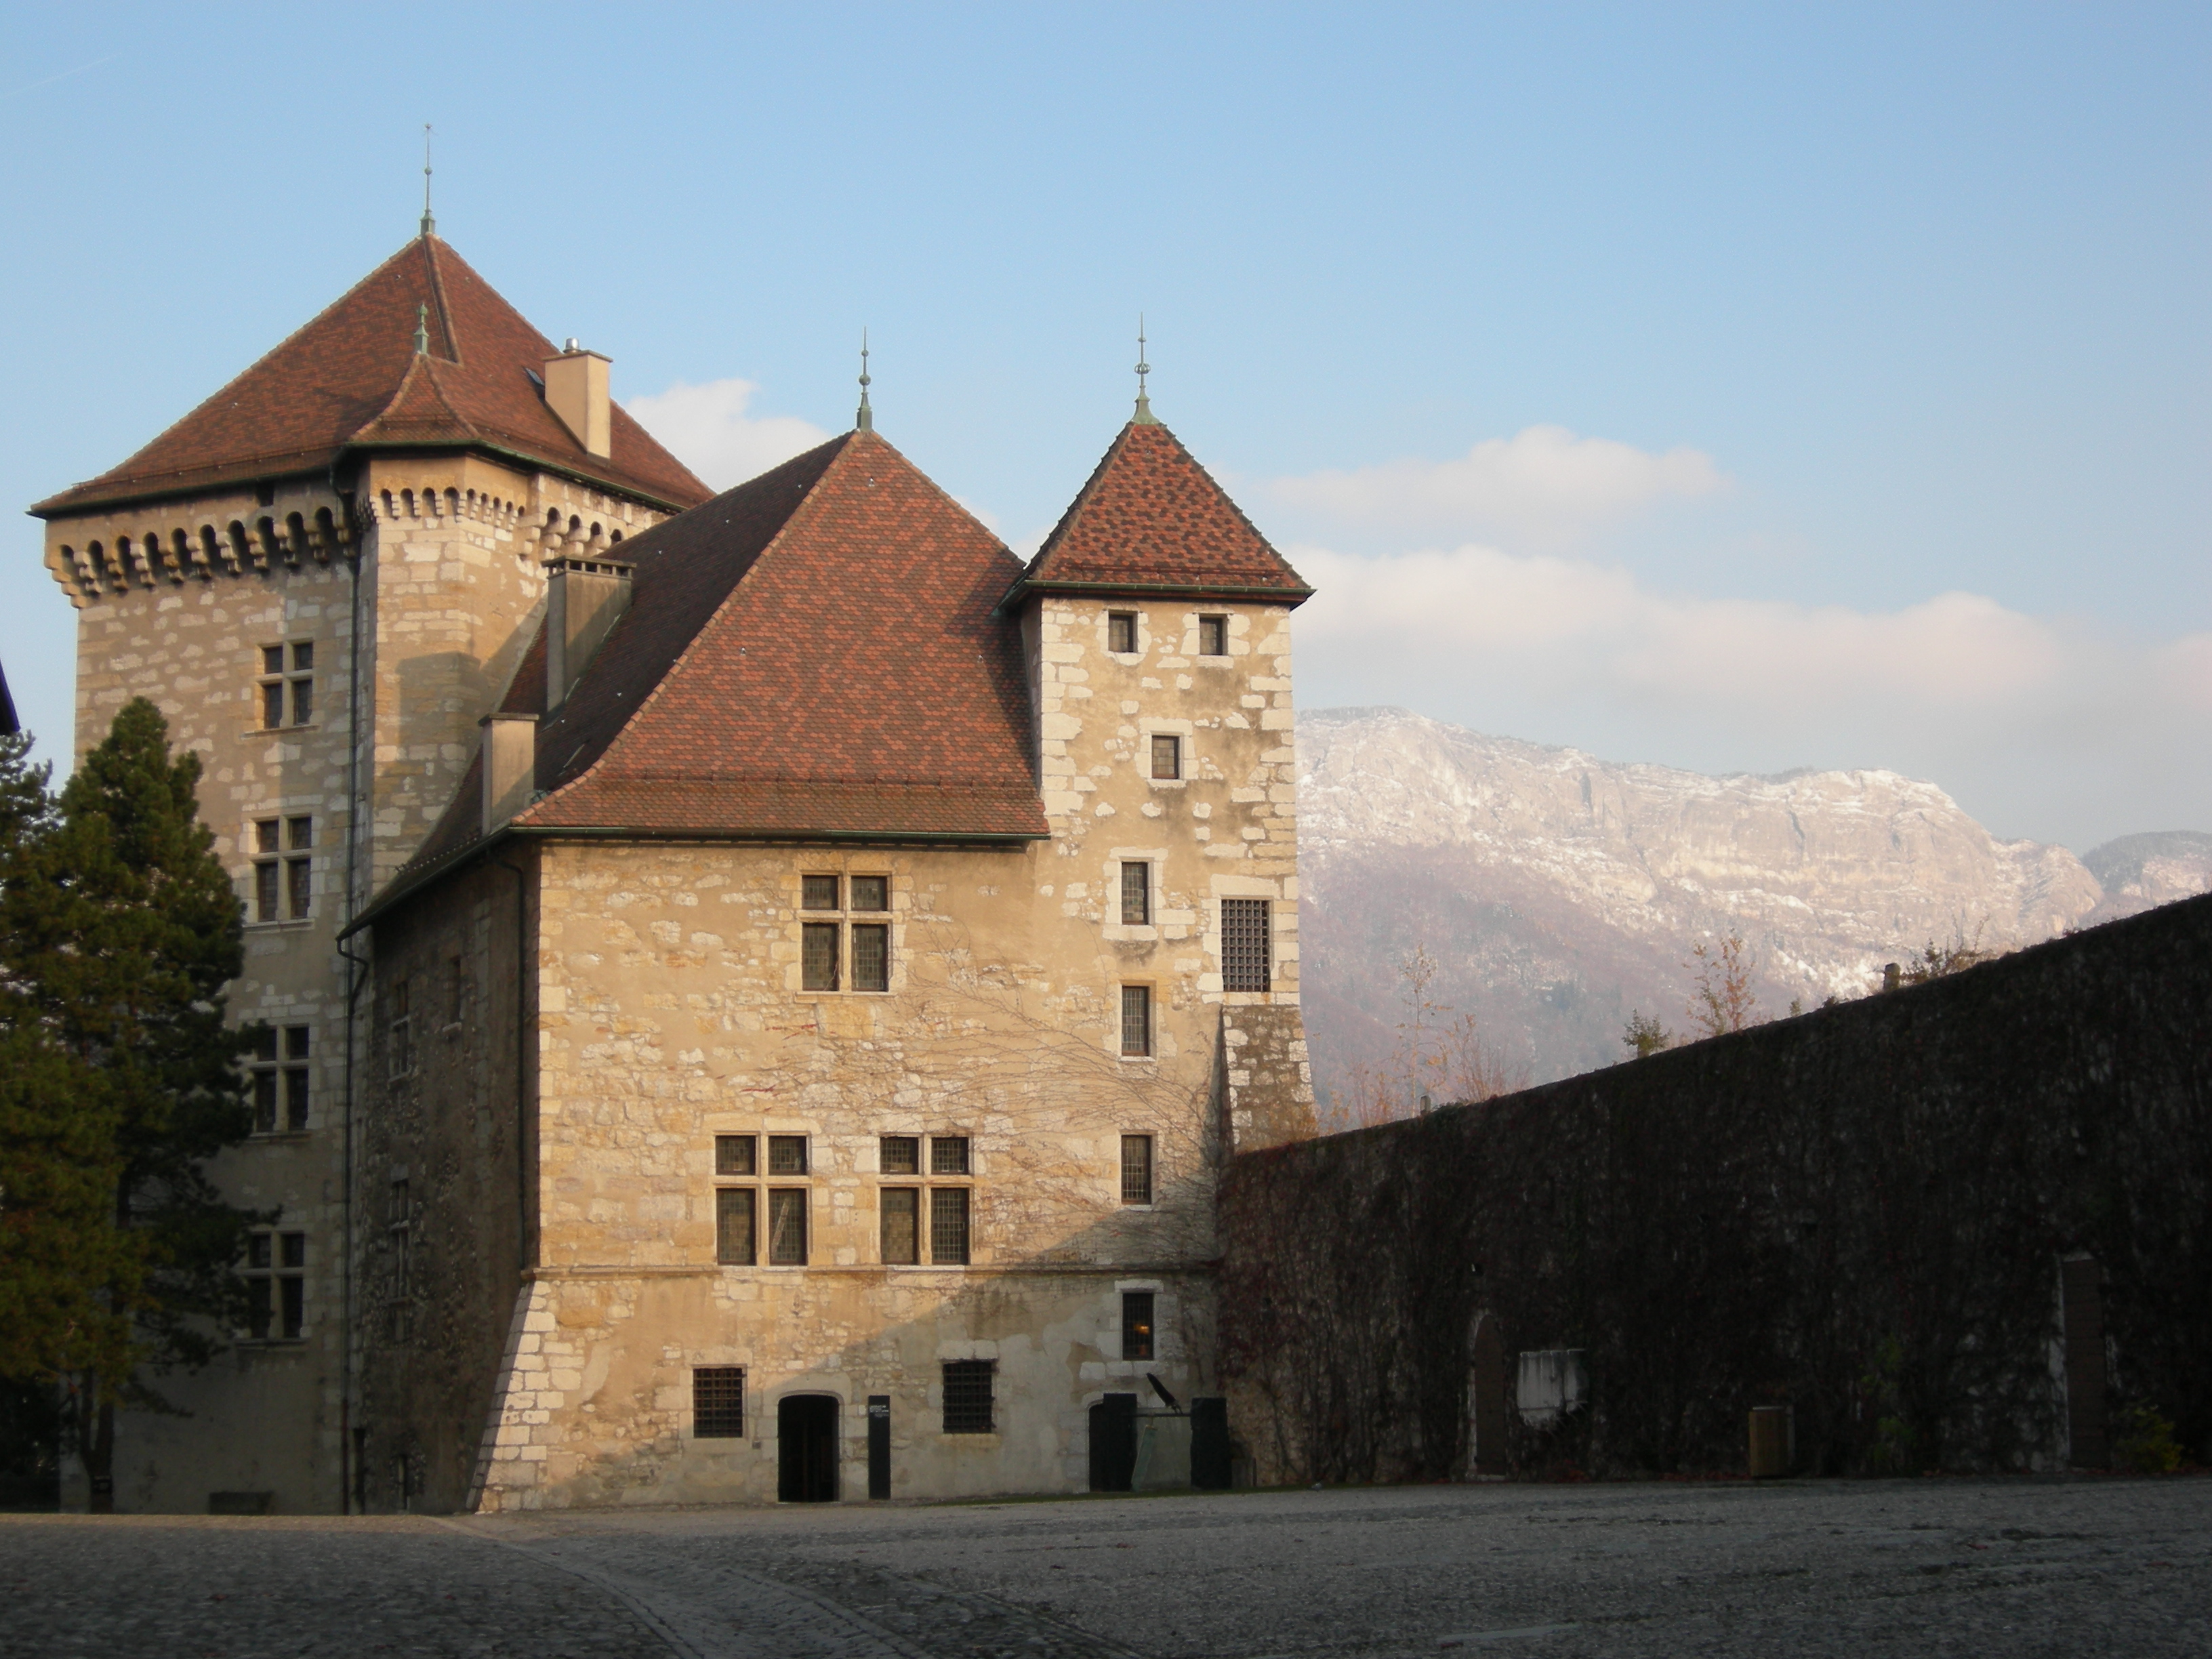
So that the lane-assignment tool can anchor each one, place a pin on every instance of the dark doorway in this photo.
(1114, 1442)
(879, 1445)
(1485, 1401)
(806, 1449)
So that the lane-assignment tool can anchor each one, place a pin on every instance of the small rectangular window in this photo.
(1136, 1169)
(948, 1226)
(1167, 756)
(736, 1233)
(400, 1056)
(948, 1155)
(1245, 962)
(299, 888)
(1213, 636)
(818, 956)
(1121, 631)
(272, 704)
(1136, 894)
(968, 1396)
(299, 834)
(267, 902)
(272, 659)
(303, 656)
(820, 893)
(734, 1154)
(1137, 1325)
(275, 1286)
(718, 1402)
(786, 1154)
(902, 1155)
(787, 1227)
(871, 893)
(303, 702)
(1136, 1019)
(871, 955)
(265, 836)
(901, 1210)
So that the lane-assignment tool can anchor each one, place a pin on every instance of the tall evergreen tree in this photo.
(118, 930)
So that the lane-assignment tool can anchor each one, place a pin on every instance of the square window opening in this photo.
(734, 1154)
(1167, 754)
(968, 1390)
(718, 1402)
(819, 893)
(1121, 632)
(786, 1154)
(901, 1155)
(871, 892)
(1213, 636)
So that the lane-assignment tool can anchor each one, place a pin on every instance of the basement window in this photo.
(718, 1402)
(968, 1396)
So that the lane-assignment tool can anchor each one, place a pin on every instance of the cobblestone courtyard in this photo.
(1857, 1568)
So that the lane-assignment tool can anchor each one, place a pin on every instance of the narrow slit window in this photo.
(1137, 1325)
(1136, 1019)
(1245, 959)
(718, 1402)
(1167, 754)
(902, 1213)
(1213, 636)
(1136, 894)
(736, 1230)
(1136, 1169)
(1121, 632)
(948, 1226)
(787, 1227)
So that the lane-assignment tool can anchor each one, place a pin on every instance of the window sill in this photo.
(299, 924)
(268, 1137)
(1169, 783)
(282, 731)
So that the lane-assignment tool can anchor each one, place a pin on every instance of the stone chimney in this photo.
(510, 766)
(584, 597)
(576, 390)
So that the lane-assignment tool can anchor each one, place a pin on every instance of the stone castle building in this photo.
(761, 986)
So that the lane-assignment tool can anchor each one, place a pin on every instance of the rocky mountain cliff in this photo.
(1560, 893)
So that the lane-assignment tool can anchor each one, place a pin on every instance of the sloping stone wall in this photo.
(1862, 1213)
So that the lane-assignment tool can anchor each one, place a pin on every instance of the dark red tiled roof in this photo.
(351, 379)
(1152, 519)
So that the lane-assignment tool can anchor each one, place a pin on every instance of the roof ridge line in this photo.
(684, 657)
(430, 246)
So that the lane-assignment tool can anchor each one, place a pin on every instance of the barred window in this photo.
(736, 1234)
(718, 1402)
(1167, 756)
(901, 1208)
(1121, 631)
(948, 1155)
(968, 1396)
(786, 1154)
(1136, 894)
(1245, 960)
(871, 957)
(1136, 1169)
(1136, 1019)
(1213, 636)
(787, 1227)
(1137, 1325)
(734, 1154)
(948, 1226)
(818, 958)
(902, 1155)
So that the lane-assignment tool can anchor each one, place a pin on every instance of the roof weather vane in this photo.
(429, 224)
(1144, 416)
(865, 420)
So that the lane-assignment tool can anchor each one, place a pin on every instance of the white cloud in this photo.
(707, 429)
(1543, 484)
(2046, 727)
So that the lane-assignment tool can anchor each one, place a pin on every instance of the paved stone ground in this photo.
(1858, 1568)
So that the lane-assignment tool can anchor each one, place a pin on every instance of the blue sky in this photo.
(1732, 387)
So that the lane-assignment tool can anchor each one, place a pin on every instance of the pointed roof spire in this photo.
(864, 420)
(1143, 417)
(422, 328)
(429, 224)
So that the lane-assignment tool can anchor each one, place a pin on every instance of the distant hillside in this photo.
(1560, 893)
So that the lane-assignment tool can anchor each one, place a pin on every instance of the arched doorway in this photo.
(806, 1449)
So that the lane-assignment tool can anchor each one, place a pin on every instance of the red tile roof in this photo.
(1152, 520)
(814, 654)
(351, 380)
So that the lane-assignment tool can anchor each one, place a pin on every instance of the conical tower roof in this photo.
(1152, 520)
(351, 380)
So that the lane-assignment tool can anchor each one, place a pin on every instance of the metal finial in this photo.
(422, 329)
(429, 224)
(865, 420)
(1144, 416)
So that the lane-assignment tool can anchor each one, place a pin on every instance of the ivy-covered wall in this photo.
(1860, 1212)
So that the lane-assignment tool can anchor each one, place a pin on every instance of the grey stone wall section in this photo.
(1860, 1212)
